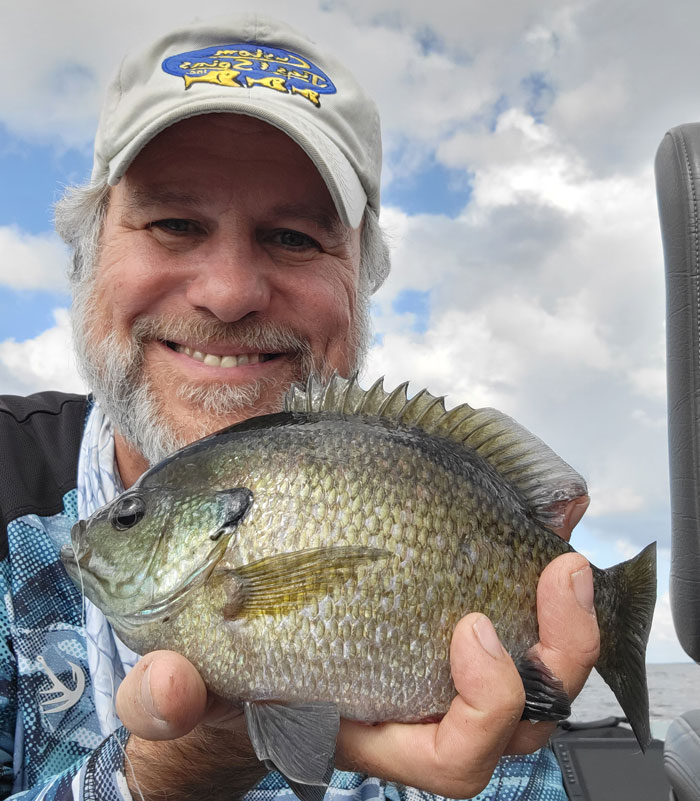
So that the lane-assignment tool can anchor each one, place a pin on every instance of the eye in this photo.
(127, 512)
(295, 240)
(177, 226)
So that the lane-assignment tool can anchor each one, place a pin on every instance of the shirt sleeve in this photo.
(8, 688)
(516, 778)
(98, 777)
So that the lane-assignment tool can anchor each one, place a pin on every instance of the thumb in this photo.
(163, 697)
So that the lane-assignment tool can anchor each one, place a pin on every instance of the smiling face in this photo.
(224, 275)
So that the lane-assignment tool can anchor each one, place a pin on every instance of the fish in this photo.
(313, 564)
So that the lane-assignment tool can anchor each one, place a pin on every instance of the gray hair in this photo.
(80, 213)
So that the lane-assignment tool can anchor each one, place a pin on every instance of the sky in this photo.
(518, 196)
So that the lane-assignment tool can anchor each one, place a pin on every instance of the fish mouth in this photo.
(70, 561)
(77, 536)
(174, 602)
(74, 553)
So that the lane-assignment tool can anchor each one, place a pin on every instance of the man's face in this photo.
(224, 275)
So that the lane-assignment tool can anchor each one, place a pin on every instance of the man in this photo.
(227, 244)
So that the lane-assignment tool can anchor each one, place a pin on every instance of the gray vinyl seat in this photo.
(678, 191)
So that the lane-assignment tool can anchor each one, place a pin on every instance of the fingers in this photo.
(569, 638)
(162, 698)
(573, 514)
(456, 757)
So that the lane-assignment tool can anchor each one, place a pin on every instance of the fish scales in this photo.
(325, 556)
(442, 508)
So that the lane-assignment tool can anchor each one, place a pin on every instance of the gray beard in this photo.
(114, 371)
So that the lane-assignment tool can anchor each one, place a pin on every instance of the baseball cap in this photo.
(254, 65)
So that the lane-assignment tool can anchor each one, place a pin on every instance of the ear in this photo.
(235, 503)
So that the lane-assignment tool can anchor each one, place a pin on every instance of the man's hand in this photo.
(164, 697)
(184, 743)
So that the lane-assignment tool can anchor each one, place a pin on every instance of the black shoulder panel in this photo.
(39, 447)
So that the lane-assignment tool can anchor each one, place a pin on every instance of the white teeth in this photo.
(212, 360)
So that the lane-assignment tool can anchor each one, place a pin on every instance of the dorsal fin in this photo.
(545, 481)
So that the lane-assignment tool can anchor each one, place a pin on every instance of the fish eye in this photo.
(127, 513)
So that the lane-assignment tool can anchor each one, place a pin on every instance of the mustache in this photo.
(262, 335)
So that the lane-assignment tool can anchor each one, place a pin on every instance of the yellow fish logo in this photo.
(242, 66)
(223, 77)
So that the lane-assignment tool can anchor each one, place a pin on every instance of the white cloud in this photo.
(44, 362)
(645, 419)
(613, 500)
(663, 643)
(32, 261)
(649, 382)
(626, 548)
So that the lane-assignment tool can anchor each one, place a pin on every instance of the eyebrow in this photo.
(139, 197)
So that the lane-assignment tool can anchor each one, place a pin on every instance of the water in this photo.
(673, 688)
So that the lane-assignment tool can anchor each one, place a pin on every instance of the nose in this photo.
(231, 281)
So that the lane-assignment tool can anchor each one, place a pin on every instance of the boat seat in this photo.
(678, 190)
(682, 756)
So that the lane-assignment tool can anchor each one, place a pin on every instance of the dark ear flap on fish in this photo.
(545, 696)
(276, 584)
(298, 740)
(235, 503)
(544, 480)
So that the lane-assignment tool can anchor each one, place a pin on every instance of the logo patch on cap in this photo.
(246, 66)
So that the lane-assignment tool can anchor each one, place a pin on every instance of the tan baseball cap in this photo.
(254, 65)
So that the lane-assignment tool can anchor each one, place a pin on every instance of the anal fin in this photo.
(545, 696)
(298, 740)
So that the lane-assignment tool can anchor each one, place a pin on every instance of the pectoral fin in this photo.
(298, 740)
(277, 584)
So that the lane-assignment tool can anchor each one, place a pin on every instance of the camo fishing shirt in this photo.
(53, 742)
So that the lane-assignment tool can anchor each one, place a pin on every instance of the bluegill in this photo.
(314, 563)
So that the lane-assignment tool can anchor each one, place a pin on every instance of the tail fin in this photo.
(625, 599)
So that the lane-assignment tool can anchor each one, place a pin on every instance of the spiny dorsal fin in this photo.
(544, 479)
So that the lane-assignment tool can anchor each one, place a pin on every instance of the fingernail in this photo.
(582, 581)
(147, 695)
(486, 634)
